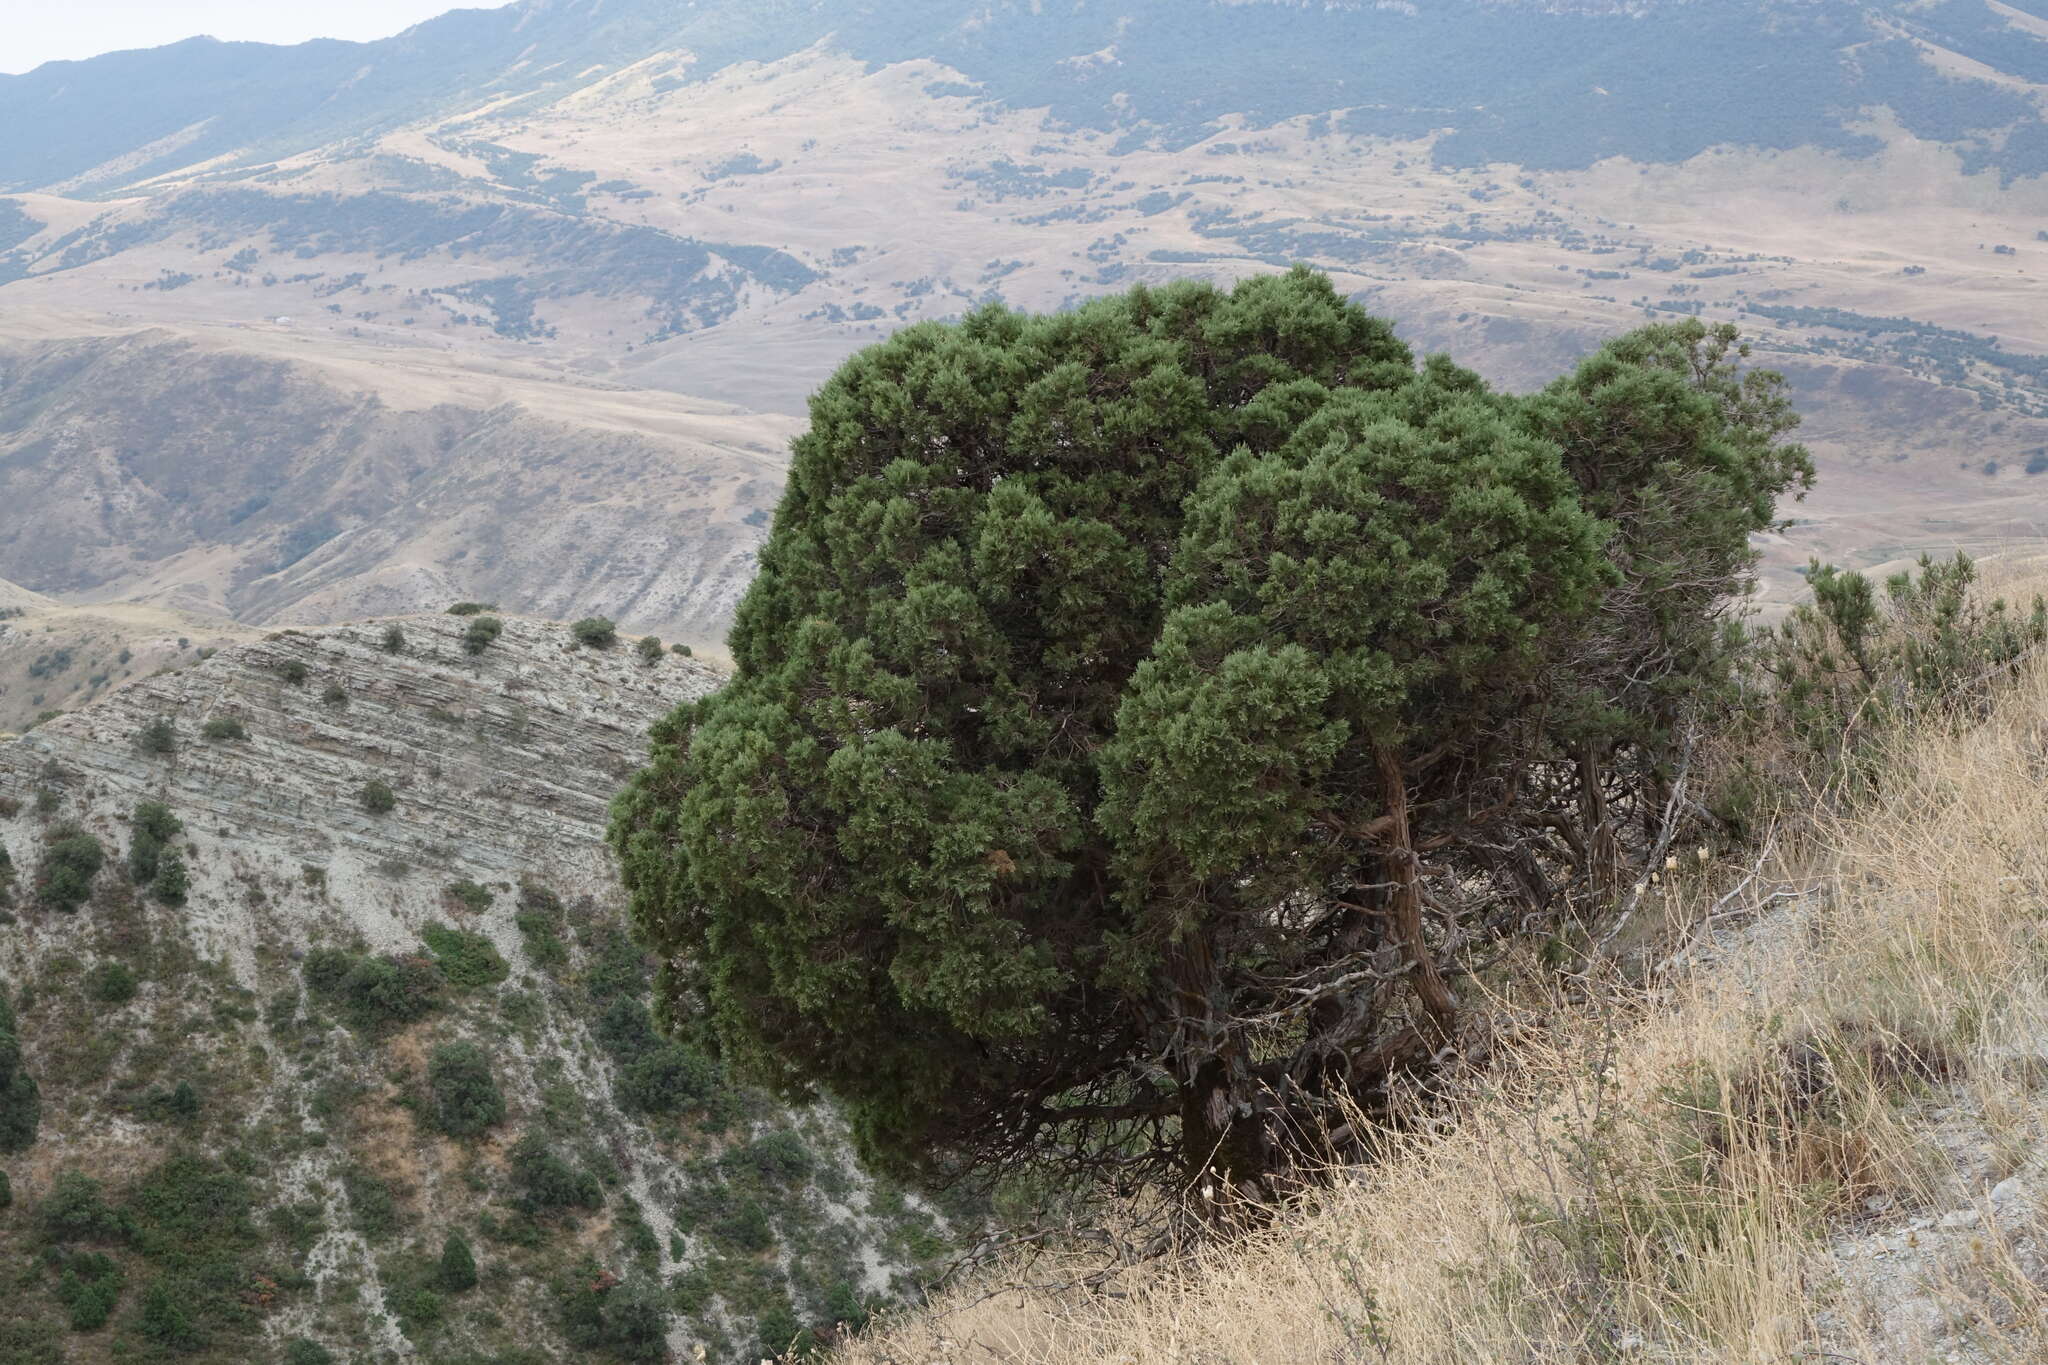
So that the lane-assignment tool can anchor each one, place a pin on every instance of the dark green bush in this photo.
(152, 826)
(294, 672)
(172, 882)
(374, 992)
(89, 1288)
(326, 968)
(377, 797)
(179, 1104)
(595, 632)
(624, 1321)
(649, 649)
(224, 727)
(673, 1079)
(394, 640)
(746, 1228)
(21, 1103)
(483, 632)
(458, 1265)
(76, 1210)
(336, 695)
(468, 961)
(470, 896)
(683, 650)
(465, 1095)
(70, 861)
(778, 1158)
(111, 983)
(165, 1321)
(544, 1182)
(470, 608)
(159, 736)
(540, 922)
(301, 1351)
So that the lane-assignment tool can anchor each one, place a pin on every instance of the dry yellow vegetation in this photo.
(1806, 1126)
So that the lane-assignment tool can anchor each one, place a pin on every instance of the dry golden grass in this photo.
(1745, 1161)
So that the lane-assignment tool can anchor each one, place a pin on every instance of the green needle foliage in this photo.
(21, 1102)
(1133, 704)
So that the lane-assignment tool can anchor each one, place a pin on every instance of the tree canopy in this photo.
(1139, 707)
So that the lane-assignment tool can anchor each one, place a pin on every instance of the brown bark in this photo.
(1403, 870)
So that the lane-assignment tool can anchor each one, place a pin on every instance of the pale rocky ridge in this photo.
(502, 765)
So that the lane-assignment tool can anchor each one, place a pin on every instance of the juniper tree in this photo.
(1128, 705)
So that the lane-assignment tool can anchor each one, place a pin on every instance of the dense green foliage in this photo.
(21, 1100)
(466, 1098)
(595, 632)
(648, 647)
(377, 797)
(468, 961)
(158, 736)
(71, 859)
(482, 633)
(151, 827)
(393, 641)
(374, 991)
(224, 727)
(1133, 704)
(458, 1265)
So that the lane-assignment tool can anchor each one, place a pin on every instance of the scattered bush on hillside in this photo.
(21, 1101)
(158, 736)
(482, 634)
(294, 672)
(540, 922)
(1102, 774)
(224, 728)
(471, 608)
(71, 859)
(457, 1268)
(624, 1320)
(682, 651)
(595, 632)
(468, 961)
(76, 1210)
(393, 640)
(374, 992)
(544, 1183)
(465, 1095)
(89, 1285)
(648, 647)
(301, 1351)
(377, 797)
(111, 983)
(470, 896)
(335, 696)
(151, 826)
(172, 883)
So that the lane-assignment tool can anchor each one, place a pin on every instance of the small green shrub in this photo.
(673, 1079)
(294, 672)
(544, 1182)
(540, 922)
(224, 728)
(468, 961)
(595, 632)
(300, 1351)
(76, 1210)
(21, 1102)
(649, 649)
(325, 969)
(374, 992)
(172, 882)
(159, 736)
(458, 1266)
(471, 608)
(335, 696)
(89, 1288)
(465, 1095)
(377, 797)
(483, 632)
(394, 640)
(165, 1321)
(111, 983)
(179, 1104)
(680, 650)
(152, 827)
(470, 896)
(70, 861)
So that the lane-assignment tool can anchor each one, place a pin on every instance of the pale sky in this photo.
(36, 31)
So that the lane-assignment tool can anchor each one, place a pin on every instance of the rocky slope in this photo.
(393, 1002)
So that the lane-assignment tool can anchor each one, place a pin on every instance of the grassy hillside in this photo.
(1798, 1119)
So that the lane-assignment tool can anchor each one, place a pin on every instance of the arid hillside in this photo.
(594, 207)
(315, 959)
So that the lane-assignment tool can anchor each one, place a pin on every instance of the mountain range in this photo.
(365, 286)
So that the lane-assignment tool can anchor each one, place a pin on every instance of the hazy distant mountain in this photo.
(505, 240)
(1542, 85)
